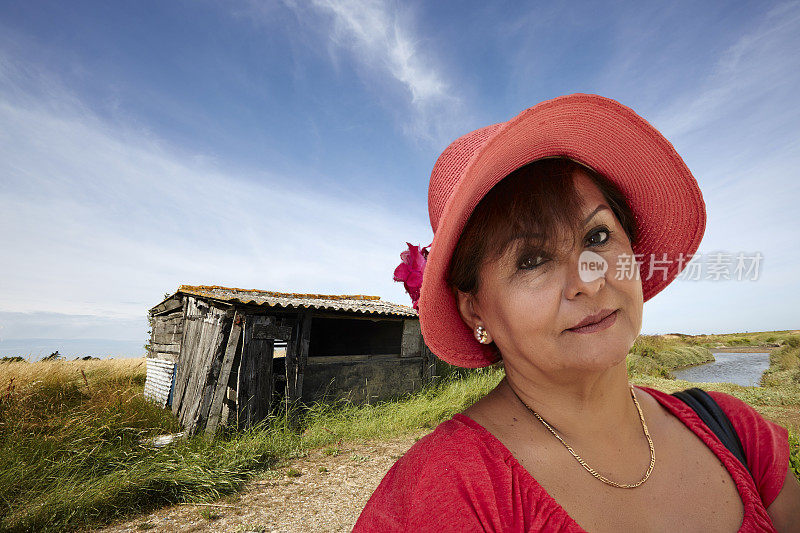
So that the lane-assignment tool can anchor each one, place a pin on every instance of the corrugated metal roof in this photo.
(358, 303)
(158, 383)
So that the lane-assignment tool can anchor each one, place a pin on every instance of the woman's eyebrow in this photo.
(593, 213)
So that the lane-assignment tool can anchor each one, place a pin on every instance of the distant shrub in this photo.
(55, 356)
(649, 345)
(643, 365)
(645, 359)
(794, 453)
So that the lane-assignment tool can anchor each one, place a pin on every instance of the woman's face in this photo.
(528, 302)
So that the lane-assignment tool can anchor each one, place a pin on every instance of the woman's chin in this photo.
(595, 358)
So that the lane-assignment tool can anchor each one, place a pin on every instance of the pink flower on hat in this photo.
(411, 269)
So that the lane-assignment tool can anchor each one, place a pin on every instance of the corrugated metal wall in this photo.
(159, 382)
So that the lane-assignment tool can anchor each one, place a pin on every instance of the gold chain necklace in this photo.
(588, 468)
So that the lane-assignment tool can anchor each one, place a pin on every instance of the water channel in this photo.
(738, 368)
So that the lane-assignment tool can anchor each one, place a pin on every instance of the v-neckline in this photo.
(679, 410)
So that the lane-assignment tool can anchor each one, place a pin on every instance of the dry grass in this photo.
(72, 453)
(23, 375)
(71, 431)
(659, 355)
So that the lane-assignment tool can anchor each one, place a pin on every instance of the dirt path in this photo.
(333, 486)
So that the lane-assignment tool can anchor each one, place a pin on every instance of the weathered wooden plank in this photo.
(429, 363)
(221, 389)
(168, 321)
(188, 342)
(412, 338)
(271, 331)
(190, 355)
(295, 358)
(168, 347)
(167, 329)
(255, 379)
(167, 306)
(196, 372)
(212, 345)
(168, 334)
(363, 382)
(291, 370)
(302, 359)
(324, 359)
(203, 326)
(212, 375)
(166, 356)
(242, 388)
(228, 417)
(358, 316)
(208, 373)
(196, 307)
(161, 328)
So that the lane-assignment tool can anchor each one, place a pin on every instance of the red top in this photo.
(460, 477)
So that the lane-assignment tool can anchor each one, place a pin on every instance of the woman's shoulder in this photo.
(438, 483)
(746, 419)
(765, 443)
(458, 442)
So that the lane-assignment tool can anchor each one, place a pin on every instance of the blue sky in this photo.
(288, 145)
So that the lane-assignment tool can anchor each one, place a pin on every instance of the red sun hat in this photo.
(595, 131)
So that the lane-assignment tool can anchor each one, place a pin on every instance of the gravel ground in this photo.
(329, 493)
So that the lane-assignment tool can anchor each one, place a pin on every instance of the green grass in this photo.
(71, 455)
(71, 433)
(762, 338)
(794, 447)
(654, 355)
(784, 365)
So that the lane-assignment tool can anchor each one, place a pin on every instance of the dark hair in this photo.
(539, 202)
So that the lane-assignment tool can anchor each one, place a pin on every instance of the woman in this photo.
(550, 231)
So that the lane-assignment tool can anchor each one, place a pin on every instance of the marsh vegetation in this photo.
(74, 435)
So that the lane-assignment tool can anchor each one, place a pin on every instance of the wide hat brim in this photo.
(600, 133)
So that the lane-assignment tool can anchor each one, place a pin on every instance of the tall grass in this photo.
(784, 365)
(760, 338)
(423, 409)
(63, 426)
(654, 355)
(73, 452)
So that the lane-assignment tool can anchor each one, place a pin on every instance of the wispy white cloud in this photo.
(381, 39)
(101, 218)
(370, 30)
(736, 127)
(755, 75)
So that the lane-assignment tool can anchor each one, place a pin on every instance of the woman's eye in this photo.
(532, 261)
(599, 237)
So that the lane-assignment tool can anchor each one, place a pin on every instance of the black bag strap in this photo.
(715, 418)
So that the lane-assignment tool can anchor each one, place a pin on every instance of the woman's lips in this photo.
(607, 322)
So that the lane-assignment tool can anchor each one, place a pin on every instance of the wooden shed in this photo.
(228, 356)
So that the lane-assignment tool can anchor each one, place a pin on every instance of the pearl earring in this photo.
(482, 335)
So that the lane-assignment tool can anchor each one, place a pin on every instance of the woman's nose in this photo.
(585, 274)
